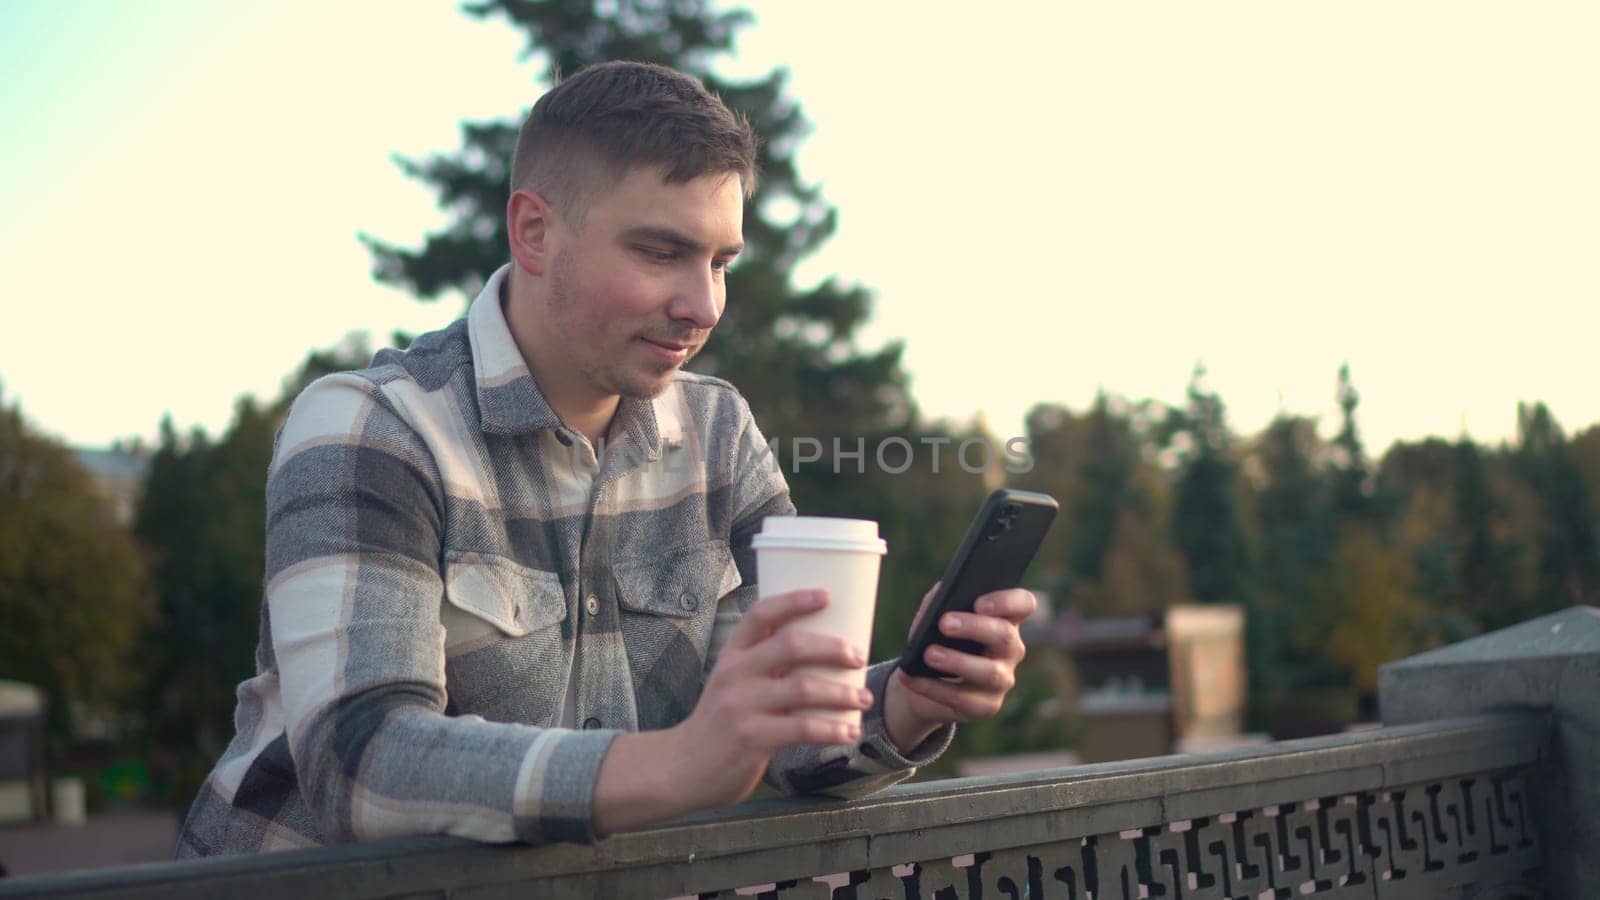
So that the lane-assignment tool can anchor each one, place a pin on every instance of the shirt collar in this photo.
(510, 402)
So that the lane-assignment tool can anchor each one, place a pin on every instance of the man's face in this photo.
(635, 293)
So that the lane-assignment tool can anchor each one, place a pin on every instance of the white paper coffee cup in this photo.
(840, 556)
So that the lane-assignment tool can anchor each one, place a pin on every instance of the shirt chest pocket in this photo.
(490, 598)
(668, 603)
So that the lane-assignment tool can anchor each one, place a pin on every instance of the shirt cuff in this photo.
(554, 797)
(877, 745)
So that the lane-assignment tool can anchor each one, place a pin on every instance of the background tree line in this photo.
(1342, 561)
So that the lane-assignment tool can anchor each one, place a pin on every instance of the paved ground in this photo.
(114, 839)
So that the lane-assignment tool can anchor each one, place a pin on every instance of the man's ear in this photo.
(529, 220)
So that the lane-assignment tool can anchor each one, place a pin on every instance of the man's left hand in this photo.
(915, 707)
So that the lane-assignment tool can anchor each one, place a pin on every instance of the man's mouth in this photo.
(670, 352)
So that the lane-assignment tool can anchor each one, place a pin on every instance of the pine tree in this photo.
(1291, 506)
(1109, 552)
(202, 523)
(1205, 524)
(1350, 469)
(1489, 594)
(1569, 554)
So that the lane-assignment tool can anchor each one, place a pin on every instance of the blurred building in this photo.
(1152, 685)
(1209, 682)
(22, 774)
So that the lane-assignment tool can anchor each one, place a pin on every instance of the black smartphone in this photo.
(996, 551)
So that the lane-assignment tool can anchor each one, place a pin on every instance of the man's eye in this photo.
(657, 255)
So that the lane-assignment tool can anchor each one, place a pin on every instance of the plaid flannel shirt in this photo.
(464, 604)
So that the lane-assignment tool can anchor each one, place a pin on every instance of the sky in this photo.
(1060, 199)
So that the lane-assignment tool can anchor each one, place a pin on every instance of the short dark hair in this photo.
(585, 133)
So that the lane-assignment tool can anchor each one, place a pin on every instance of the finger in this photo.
(966, 702)
(769, 613)
(998, 636)
(922, 609)
(775, 732)
(806, 692)
(1013, 605)
(799, 647)
(942, 712)
(974, 671)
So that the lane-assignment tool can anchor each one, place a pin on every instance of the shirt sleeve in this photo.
(873, 763)
(355, 509)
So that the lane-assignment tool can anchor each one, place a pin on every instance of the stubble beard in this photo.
(610, 375)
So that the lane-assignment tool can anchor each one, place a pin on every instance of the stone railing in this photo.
(1491, 804)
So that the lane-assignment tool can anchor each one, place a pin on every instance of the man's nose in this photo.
(699, 300)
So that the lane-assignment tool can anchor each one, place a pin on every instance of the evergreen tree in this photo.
(1425, 480)
(1105, 475)
(1109, 552)
(1290, 503)
(1349, 470)
(202, 522)
(1206, 526)
(1585, 448)
(1569, 557)
(1052, 432)
(1291, 513)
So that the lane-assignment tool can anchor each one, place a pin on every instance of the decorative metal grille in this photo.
(1471, 838)
(1445, 809)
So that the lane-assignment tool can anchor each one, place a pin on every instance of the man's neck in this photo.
(592, 421)
(569, 393)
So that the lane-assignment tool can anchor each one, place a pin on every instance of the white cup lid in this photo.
(820, 533)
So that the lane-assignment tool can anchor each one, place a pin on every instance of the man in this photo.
(510, 589)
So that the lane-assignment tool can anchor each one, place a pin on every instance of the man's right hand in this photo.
(754, 705)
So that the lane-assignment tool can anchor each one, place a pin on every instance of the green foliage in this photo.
(1351, 496)
(1292, 534)
(1340, 561)
(1569, 557)
(74, 590)
(1108, 553)
(1206, 520)
(1585, 450)
(202, 521)
(1362, 610)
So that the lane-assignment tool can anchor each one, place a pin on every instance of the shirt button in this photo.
(689, 601)
(591, 723)
(592, 605)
